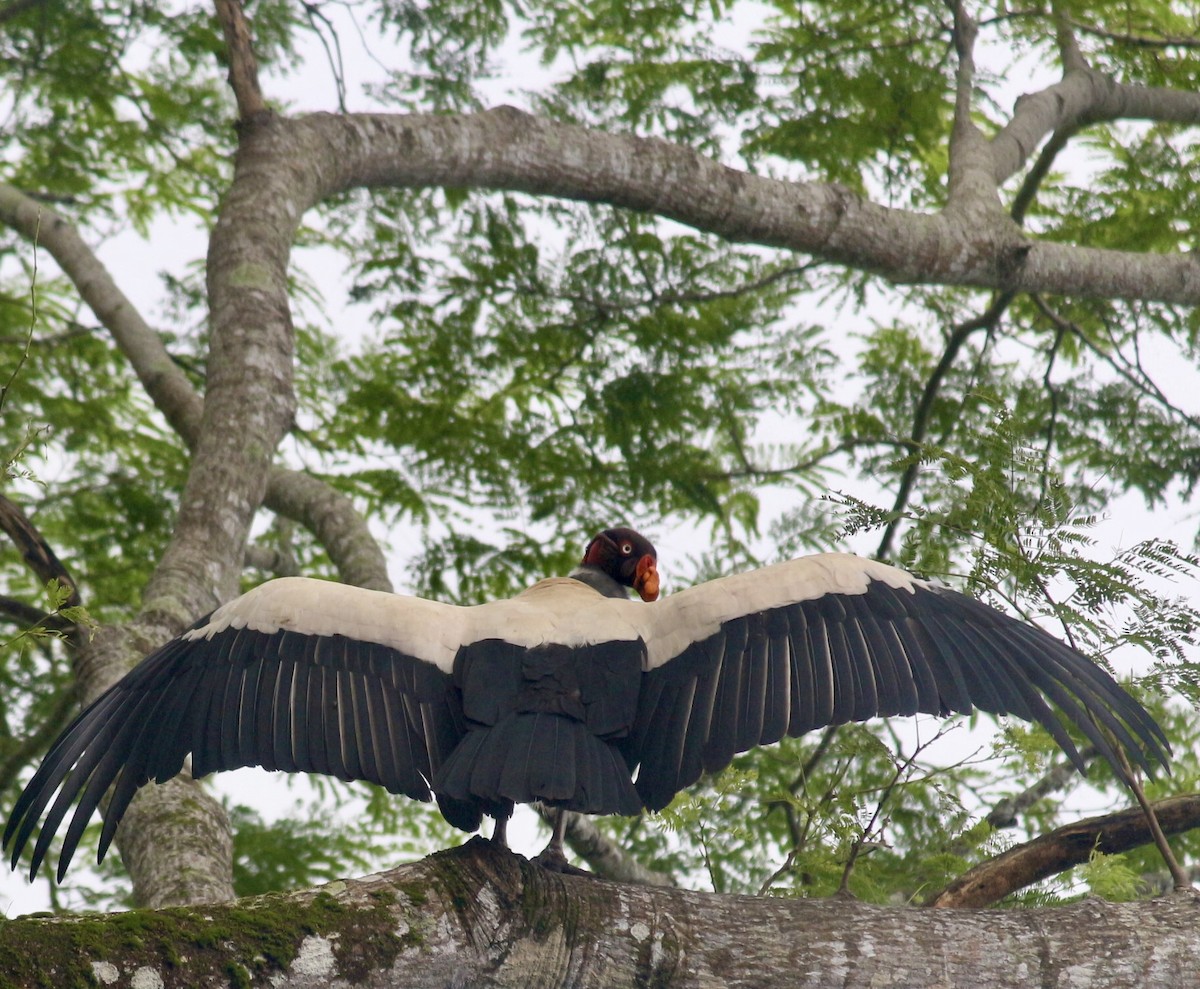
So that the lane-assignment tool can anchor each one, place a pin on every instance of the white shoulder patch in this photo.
(558, 610)
(694, 614)
(426, 630)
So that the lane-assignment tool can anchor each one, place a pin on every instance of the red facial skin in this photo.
(628, 558)
(645, 581)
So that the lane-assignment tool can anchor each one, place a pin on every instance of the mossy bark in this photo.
(481, 916)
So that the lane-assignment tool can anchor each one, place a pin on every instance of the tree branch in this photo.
(1137, 40)
(508, 149)
(1063, 848)
(481, 916)
(34, 549)
(26, 614)
(243, 66)
(1068, 44)
(1004, 814)
(971, 186)
(921, 416)
(329, 515)
(166, 385)
(1083, 97)
(603, 855)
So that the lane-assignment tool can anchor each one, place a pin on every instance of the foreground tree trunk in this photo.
(480, 916)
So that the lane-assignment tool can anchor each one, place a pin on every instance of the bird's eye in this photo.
(626, 548)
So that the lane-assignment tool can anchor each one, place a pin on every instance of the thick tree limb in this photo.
(1083, 96)
(483, 917)
(329, 515)
(189, 863)
(508, 149)
(167, 386)
(1063, 848)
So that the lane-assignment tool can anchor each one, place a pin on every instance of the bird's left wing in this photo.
(823, 640)
(297, 675)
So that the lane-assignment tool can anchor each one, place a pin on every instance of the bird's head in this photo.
(628, 558)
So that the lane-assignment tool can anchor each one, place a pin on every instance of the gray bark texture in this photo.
(480, 916)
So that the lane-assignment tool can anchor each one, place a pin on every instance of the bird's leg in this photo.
(553, 857)
(500, 832)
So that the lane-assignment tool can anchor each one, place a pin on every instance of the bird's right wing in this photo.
(297, 675)
(744, 660)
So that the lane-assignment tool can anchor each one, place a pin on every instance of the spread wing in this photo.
(823, 640)
(297, 674)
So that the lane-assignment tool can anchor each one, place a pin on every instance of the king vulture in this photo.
(569, 694)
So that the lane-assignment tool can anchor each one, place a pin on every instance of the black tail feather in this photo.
(531, 757)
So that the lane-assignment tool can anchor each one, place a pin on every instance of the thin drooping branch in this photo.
(1068, 846)
(22, 613)
(1153, 823)
(1139, 380)
(921, 416)
(1137, 40)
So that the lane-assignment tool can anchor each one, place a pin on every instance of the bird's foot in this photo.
(553, 860)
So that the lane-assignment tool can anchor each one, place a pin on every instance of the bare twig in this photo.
(28, 340)
(1152, 823)
(902, 774)
(1137, 40)
(1141, 380)
(333, 52)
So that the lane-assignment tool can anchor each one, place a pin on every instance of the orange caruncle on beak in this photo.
(645, 580)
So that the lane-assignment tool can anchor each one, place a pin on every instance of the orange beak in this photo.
(645, 580)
